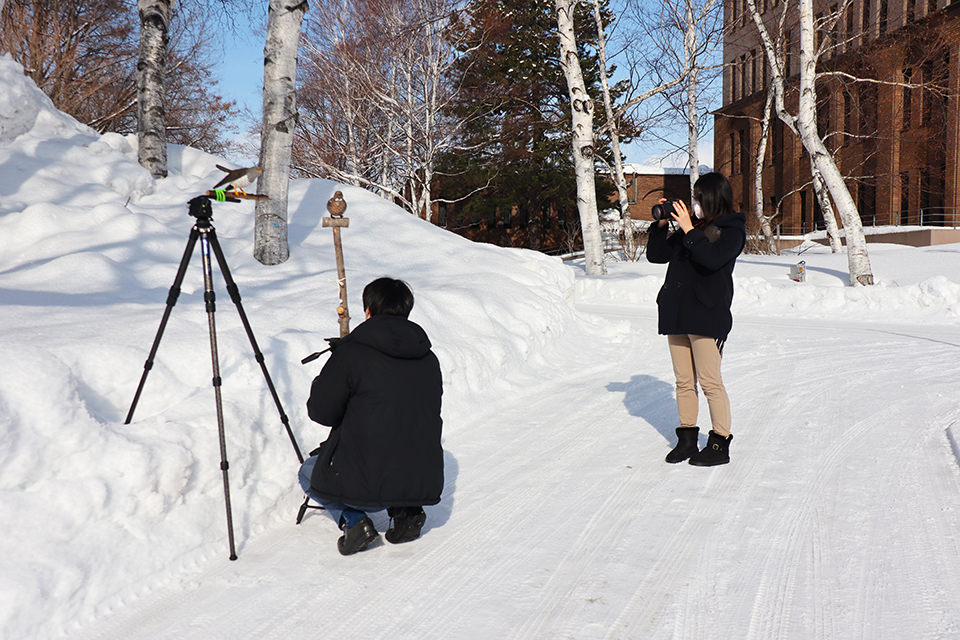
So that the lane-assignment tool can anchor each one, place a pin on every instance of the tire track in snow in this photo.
(512, 484)
(796, 528)
(520, 487)
(644, 614)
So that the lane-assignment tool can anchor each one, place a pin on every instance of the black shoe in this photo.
(358, 537)
(716, 452)
(686, 444)
(407, 522)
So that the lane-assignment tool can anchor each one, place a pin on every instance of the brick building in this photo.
(646, 185)
(889, 113)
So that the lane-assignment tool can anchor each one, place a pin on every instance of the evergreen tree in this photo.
(516, 151)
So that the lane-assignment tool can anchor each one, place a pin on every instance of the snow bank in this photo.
(97, 512)
(762, 286)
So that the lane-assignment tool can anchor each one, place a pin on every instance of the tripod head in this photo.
(200, 209)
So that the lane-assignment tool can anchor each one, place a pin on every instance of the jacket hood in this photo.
(394, 336)
(732, 219)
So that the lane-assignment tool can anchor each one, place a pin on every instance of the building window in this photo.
(865, 18)
(907, 98)
(867, 201)
(733, 152)
(868, 109)
(849, 119)
(929, 94)
(743, 77)
(823, 113)
(788, 58)
(776, 147)
(735, 80)
(744, 152)
(904, 198)
(924, 195)
(803, 211)
(848, 11)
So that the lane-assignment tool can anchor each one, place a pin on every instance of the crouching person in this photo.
(380, 393)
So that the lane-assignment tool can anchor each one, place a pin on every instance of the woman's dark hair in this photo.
(388, 297)
(715, 195)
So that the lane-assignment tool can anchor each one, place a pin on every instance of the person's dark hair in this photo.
(715, 195)
(388, 297)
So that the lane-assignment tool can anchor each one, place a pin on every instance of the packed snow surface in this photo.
(838, 516)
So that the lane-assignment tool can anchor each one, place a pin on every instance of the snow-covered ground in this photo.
(838, 516)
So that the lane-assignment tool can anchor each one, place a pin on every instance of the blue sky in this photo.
(241, 80)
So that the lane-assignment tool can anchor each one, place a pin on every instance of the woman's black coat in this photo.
(696, 296)
(380, 392)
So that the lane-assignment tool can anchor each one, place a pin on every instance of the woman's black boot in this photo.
(716, 452)
(686, 444)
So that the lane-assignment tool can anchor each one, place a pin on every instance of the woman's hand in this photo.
(682, 216)
(662, 222)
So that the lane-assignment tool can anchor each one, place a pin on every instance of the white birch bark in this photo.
(620, 181)
(279, 121)
(758, 176)
(151, 72)
(581, 108)
(826, 208)
(804, 125)
(693, 71)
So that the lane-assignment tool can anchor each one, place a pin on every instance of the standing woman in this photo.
(694, 309)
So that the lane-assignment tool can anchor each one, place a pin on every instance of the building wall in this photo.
(646, 188)
(896, 142)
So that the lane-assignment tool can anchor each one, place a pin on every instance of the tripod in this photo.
(203, 230)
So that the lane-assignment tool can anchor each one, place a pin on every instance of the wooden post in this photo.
(337, 206)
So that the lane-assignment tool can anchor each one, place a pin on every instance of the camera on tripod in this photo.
(664, 210)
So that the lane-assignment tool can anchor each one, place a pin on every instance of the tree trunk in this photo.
(151, 67)
(690, 58)
(279, 122)
(858, 262)
(626, 220)
(826, 208)
(581, 108)
(804, 125)
(758, 177)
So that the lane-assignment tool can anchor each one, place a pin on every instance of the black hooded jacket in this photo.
(696, 296)
(380, 392)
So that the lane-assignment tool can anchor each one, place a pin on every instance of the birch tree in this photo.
(581, 109)
(613, 128)
(151, 69)
(377, 96)
(822, 194)
(758, 199)
(804, 125)
(277, 131)
(686, 71)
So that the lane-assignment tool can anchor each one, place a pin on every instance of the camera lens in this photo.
(662, 211)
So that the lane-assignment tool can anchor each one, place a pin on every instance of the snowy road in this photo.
(838, 517)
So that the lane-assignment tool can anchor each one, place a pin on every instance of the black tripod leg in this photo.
(210, 299)
(234, 292)
(171, 301)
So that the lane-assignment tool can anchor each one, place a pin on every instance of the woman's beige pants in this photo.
(697, 359)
